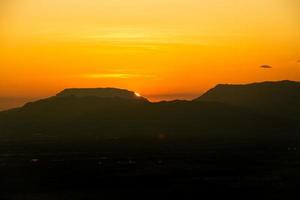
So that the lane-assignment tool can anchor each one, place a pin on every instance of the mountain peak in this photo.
(265, 83)
(100, 92)
(277, 97)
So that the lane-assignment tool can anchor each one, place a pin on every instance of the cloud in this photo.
(298, 61)
(142, 38)
(266, 66)
(118, 75)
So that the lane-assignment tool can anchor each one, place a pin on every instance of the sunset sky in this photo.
(163, 49)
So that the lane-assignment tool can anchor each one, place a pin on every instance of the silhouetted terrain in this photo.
(100, 93)
(272, 98)
(91, 143)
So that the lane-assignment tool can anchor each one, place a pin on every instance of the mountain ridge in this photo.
(273, 97)
(107, 92)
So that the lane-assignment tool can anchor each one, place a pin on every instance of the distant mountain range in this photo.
(280, 98)
(107, 139)
(241, 111)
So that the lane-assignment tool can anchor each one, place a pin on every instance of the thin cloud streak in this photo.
(117, 76)
(142, 38)
(266, 66)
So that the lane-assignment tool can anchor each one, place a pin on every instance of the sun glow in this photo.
(137, 94)
(166, 50)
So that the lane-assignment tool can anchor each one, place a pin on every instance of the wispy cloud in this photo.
(141, 38)
(117, 76)
(266, 66)
(136, 36)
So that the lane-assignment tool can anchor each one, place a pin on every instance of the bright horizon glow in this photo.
(137, 94)
(170, 49)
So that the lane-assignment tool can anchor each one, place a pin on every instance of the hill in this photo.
(103, 114)
(100, 92)
(280, 98)
(89, 142)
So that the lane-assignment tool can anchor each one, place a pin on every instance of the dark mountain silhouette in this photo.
(114, 113)
(100, 92)
(108, 142)
(280, 98)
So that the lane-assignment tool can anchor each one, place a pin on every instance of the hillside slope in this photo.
(280, 98)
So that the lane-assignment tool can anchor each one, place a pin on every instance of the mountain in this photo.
(100, 92)
(90, 114)
(280, 98)
(97, 138)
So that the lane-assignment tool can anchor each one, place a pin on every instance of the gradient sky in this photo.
(163, 49)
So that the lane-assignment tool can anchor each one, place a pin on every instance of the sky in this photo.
(170, 49)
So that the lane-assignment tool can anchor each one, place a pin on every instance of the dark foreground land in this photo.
(91, 144)
(151, 170)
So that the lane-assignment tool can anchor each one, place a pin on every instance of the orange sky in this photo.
(163, 49)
